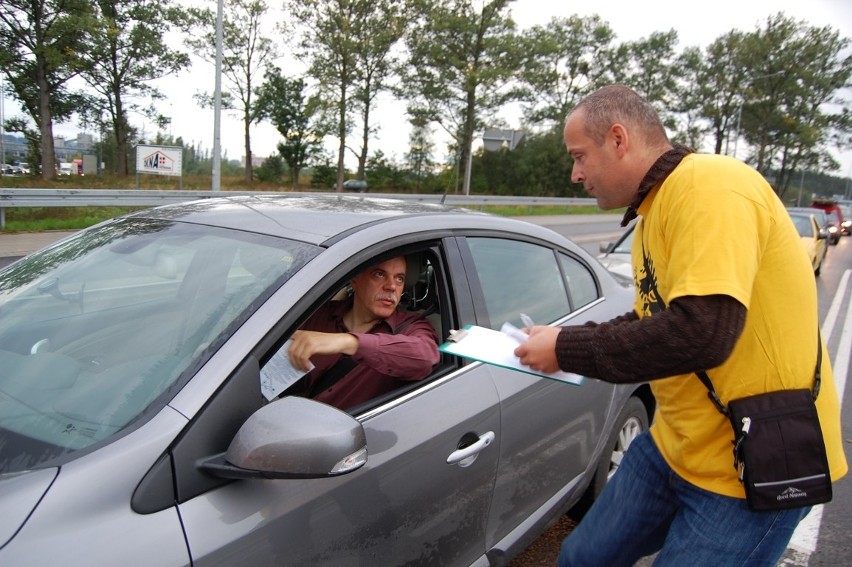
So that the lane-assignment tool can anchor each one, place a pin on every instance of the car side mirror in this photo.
(293, 438)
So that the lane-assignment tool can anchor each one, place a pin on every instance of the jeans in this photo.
(646, 508)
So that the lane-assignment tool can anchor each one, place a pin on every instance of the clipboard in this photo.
(498, 348)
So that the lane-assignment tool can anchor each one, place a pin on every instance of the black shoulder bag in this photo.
(779, 451)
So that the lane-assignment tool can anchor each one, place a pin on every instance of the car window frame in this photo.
(482, 315)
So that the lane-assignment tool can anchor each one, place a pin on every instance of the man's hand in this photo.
(308, 343)
(539, 351)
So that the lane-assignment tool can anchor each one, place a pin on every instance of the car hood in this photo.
(20, 493)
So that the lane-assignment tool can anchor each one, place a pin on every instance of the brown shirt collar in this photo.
(661, 169)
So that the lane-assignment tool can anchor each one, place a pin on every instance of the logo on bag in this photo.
(791, 493)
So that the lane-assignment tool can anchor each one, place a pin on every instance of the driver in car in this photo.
(365, 345)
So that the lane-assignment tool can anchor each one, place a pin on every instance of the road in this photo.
(823, 538)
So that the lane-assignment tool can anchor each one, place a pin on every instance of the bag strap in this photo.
(714, 397)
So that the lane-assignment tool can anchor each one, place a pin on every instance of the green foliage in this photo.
(323, 175)
(466, 60)
(125, 55)
(42, 47)
(273, 170)
(282, 101)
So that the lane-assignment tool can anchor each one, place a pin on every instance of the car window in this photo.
(519, 277)
(423, 294)
(624, 245)
(581, 285)
(804, 226)
(96, 328)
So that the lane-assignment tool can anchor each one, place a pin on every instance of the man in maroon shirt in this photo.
(388, 346)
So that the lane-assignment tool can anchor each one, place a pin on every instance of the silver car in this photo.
(145, 418)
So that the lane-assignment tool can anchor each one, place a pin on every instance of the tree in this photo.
(792, 105)
(419, 156)
(462, 62)
(380, 25)
(328, 45)
(282, 101)
(246, 53)
(564, 61)
(653, 72)
(126, 55)
(42, 44)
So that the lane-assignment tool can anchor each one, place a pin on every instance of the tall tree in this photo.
(246, 55)
(328, 46)
(462, 62)
(42, 43)
(283, 102)
(419, 156)
(564, 60)
(126, 55)
(793, 106)
(380, 25)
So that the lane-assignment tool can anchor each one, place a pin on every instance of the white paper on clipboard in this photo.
(498, 348)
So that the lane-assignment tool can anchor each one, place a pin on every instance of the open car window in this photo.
(426, 293)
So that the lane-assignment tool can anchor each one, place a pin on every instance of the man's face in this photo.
(597, 166)
(378, 289)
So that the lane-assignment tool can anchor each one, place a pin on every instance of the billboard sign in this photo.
(159, 160)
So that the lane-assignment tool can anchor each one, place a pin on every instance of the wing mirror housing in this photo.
(293, 438)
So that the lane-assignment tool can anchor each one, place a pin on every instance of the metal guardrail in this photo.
(10, 198)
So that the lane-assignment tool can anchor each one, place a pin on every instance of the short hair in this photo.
(620, 104)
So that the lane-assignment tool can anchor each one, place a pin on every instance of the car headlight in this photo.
(832, 229)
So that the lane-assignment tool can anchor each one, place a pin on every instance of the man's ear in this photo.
(619, 138)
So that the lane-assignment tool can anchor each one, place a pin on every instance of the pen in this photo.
(527, 321)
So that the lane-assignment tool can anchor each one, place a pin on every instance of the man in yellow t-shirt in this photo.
(723, 285)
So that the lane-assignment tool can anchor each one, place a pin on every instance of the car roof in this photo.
(316, 218)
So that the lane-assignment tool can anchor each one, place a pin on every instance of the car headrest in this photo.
(413, 268)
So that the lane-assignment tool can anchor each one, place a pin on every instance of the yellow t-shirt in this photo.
(714, 226)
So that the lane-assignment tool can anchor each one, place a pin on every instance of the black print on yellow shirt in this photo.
(647, 281)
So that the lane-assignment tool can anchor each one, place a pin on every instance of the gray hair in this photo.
(620, 104)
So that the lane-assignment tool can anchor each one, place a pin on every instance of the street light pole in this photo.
(217, 104)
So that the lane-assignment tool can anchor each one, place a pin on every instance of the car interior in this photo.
(422, 294)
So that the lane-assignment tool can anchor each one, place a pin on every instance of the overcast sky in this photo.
(699, 25)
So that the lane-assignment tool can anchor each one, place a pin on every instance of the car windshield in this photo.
(803, 225)
(624, 245)
(98, 329)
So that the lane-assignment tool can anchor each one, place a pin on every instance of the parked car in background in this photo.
(356, 185)
(823, 222)
(7, 169)
(147, 414)
(835, 217)
(615, 256)
(813, 239)
(846, 225)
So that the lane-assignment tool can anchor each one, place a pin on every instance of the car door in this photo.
(550, 430)
(421, 498)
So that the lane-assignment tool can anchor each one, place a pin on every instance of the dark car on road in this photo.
(147, 415)
(356, 185)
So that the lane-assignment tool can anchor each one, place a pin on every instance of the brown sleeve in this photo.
(694, 333)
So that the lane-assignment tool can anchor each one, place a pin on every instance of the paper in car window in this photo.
(498, 348)
(279, 374)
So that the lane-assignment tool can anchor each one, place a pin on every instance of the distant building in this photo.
(256, 161)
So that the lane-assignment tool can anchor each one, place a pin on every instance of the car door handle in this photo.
(466, 455)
